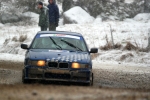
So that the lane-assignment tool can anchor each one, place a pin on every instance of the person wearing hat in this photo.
(53, 15)
(43, 18)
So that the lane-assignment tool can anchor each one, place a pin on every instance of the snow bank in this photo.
(128, 30)
(98, 20)
(11, 57)
(1, 25)
(129, 20)
(142, 17)
(77, 15)
(129, 1)
(31, 15)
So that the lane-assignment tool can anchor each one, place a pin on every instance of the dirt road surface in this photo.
(110, 83)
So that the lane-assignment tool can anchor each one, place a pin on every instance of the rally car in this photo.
(58, 56)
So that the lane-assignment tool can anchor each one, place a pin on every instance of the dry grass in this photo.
(22, 38)
(14, 39)
(109, 46)
(123, 57)
(129, 46)
(93, 56)
(6, 41)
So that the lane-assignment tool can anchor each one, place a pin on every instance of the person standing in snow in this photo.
(53, 15)
(43, 18)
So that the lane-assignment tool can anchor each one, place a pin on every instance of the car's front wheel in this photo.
(91, 80)
(24, 81)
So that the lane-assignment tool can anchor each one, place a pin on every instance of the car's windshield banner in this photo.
(59, 35)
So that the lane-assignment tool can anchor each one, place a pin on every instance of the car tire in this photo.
(24, 81)
(91, 80)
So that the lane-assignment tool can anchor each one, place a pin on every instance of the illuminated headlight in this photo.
(77, 65)
(39, 63)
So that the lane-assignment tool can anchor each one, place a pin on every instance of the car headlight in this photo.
(39, 63)
(77, 65)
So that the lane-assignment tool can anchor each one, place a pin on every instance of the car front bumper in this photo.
(67, 75)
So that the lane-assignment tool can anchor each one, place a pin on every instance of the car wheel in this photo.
(91, 80)
(24, 81)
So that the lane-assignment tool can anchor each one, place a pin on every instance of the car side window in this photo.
(42, 43)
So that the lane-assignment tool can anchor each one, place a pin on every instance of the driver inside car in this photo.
(46, 43)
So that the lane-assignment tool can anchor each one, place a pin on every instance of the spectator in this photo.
(53, 15)
(43, 18)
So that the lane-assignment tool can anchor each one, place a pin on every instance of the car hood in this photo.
(60, 55)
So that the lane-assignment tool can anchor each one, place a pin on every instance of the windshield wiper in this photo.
(56, 43)
(72, 45)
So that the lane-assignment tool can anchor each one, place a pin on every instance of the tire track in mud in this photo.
(8, 76)
(114, 79)
(11, 73)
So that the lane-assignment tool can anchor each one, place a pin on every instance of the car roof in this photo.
(59, 32)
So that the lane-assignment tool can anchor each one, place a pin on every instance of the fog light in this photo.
(75, 65)
(41, 63)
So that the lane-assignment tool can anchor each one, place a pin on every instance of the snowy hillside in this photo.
(94, 34)
(95, 31)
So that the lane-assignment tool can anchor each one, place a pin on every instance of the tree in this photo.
(148, 47)
(146, 5)
(27, 5)
(67, 4)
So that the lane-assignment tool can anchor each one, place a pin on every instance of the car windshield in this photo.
(67, 42)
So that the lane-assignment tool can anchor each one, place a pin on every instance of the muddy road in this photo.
(110, 83)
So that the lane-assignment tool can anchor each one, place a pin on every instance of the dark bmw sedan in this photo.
(58, 56)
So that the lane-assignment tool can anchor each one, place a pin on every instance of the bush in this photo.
(94, 56)
(27, 5)
(130, 46)
(109, 46)
(123, 57)
(22, 38)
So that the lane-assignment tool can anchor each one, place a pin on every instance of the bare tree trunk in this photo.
(112, 37)
(146, 6)
(148, 47)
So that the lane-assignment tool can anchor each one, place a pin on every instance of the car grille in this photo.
(53, 64)
(57, 76)
(63, 65)
(58, 65)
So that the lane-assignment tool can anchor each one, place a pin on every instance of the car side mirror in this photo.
(24, 46)
(94, 50)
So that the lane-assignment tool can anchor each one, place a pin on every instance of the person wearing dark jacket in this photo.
(43, 18)
(53, 15)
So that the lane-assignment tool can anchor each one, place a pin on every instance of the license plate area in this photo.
(58, 71)
(57, 74)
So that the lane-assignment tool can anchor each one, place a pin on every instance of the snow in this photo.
(33, 16)
(126, 1)
(129, 1)
(30, 14)
(98, 20)
(129, 30)
(142, 17)
(121, 67)
(1, 25)
(12, 57)
(78, 15)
